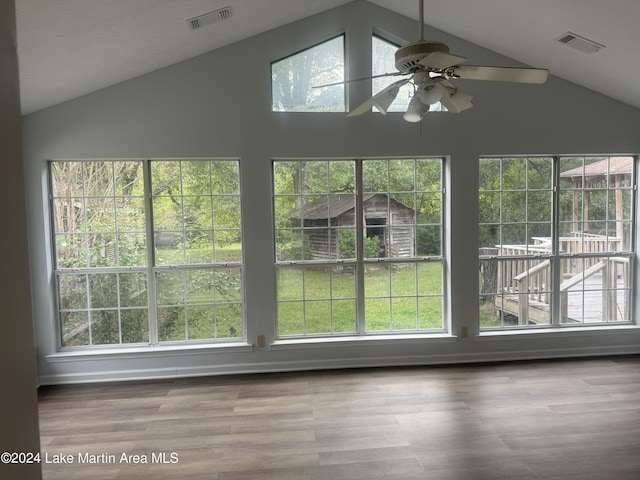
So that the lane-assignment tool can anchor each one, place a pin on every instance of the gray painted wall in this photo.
(18, 400)
(218, 105)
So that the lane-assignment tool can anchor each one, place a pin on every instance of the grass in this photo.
(320, 300)
(489, 317)
(223, 254)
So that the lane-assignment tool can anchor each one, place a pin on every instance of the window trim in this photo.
(119, 352)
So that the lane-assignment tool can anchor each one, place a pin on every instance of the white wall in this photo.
(218, 104)
(18, 400)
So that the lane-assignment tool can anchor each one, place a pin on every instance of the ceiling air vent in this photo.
(580, 43)
(209, 18)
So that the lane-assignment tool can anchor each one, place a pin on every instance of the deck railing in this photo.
(530, 278)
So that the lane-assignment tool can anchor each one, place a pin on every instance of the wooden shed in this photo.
(385, 218)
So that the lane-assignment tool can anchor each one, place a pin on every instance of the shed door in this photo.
(377, 227)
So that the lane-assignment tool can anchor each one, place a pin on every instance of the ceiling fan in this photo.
(430, 68)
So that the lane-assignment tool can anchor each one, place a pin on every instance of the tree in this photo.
(515, 200)
(416, 183)
(293, 77)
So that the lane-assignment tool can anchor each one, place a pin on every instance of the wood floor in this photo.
(564, 420)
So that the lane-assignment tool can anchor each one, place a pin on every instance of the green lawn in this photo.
(489, 317)
(221, 254)
(319, 300)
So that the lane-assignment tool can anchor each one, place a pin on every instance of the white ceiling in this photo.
(68, 48)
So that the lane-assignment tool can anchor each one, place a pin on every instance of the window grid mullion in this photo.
(556, 269)
(305, 330)
(89, 309)
(359, 218)
(182, 222)
(85, 227)
(152, 298)
(185, 291)
(119, 311)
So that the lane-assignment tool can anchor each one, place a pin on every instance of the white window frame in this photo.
(554, 258)
(360, 263)
(316, 83)
(150, 270)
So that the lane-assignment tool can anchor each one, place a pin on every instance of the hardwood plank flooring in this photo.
(555, 420)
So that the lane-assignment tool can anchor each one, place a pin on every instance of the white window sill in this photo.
(147, 352)
(352, 341)
(559, 332)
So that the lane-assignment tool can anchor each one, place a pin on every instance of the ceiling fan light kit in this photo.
(416, 110)
(430, 92)
(456, 101)
(430, 68)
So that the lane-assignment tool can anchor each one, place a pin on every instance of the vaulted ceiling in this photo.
(68, 48)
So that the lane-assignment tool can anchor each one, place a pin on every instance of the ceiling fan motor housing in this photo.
(407, 57)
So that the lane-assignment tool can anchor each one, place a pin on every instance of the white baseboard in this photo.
(327, 364)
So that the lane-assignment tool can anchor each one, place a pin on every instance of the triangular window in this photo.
(383, 61)
(296, 81)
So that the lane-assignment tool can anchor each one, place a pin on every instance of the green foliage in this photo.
(292, 246)
(515, 199)
(99, 215)
(347, 245)
(200, 303)
(111, 305)
(88, 197)
(429, 241)
(199, 202)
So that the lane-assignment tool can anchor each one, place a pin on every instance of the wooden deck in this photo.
(595, 284)
(585, 303)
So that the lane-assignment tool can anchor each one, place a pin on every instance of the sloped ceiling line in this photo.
(73, 47)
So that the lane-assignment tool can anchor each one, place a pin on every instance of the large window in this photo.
(147, 251)
(297, 82)
(358, 246)
(555, 241)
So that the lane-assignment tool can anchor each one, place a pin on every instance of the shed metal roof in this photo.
(336, 205)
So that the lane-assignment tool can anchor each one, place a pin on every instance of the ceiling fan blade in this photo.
(440, 60)
(392, 74)
(364, 108)
(501, 74)
(381, 100)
